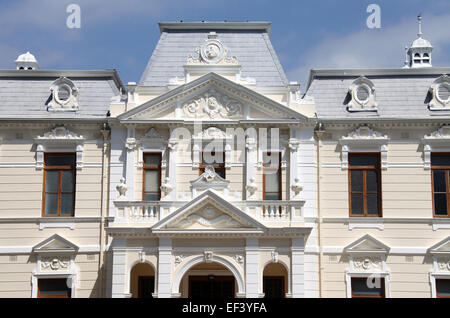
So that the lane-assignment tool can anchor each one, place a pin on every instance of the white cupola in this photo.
(420, 51)
(27, 61)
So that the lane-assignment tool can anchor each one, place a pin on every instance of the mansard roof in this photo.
(248, 41)
(400, 93)
(26, 94)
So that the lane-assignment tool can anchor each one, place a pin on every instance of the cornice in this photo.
(215, 25)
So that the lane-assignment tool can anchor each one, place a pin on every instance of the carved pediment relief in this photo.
(364, 133)
(207, 218)
(212, 105)
(60, 133)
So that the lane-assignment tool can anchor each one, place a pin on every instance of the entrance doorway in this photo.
(142, 281)
(211, 286)
(208, 281)
(274, 281)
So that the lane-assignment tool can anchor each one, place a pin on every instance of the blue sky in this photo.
(122, 34)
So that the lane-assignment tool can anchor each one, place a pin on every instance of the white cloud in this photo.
(375, 48)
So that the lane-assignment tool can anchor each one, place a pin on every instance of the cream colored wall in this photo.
(21, 186)
(406, 193)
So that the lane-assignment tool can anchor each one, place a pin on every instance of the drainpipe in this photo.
(319, 130)
(105, 131)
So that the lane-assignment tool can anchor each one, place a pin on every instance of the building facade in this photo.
(214, 176)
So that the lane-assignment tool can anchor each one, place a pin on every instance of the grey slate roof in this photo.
(26, 95)
(252, 47)
(401, 93)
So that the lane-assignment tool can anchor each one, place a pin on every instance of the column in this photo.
(118, 274)
(173, 151)
(164, 268)
(250, 161)
(298, 267)
(293, 161)
(130, 146)
(251, 268)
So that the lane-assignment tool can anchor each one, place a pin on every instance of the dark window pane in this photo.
(372, 181)
(443, 287)
(357, 203)
(357, 181)
(440, 204)
(51, 181)
(51, 204)
(272, 196)
(54, 287)
(364, 160)
(372, 204)
(152, 178)
(271, 183)
(60, 160)
(440, 159)
(151, 196)
(368, 288)
(67, 203)
(67, 181)
(152, 160)
(439, 181)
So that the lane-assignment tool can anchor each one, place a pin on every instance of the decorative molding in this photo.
(367, 263)
(59, 139)
(208, 256)
(212, 52)
(437, 141)
(54, 264)
(356, 104)
(364, 139)
(70, 103)
(122, 189)
(439, 89)
(212, 104)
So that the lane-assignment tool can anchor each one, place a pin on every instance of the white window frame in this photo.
(59, 139)
(364, 139)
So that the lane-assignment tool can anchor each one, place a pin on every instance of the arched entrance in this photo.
(142, 281)
(275, 278)
(208, 280)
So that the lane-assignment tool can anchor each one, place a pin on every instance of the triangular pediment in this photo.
(211, 97)
(443, 247)
(55, 244)
(367, 244)
(208, 212)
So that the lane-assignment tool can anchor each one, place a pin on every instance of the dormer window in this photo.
(362, 95)
(64, 95)
(440, 94)
(443, 93)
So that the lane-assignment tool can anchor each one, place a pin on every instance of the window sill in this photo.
(375, 222)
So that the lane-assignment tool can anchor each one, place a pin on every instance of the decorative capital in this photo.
(131, 143)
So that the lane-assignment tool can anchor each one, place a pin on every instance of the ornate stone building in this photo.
(214, 176)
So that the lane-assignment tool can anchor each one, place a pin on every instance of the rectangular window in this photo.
(443, 288)
(272, 176)
(364, 185)
(440, 170)
(59, 184)
(53, 288)
(215, 159)
(361, 288)
(152, 177)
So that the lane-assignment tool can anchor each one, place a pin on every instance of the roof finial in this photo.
(419, 18)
